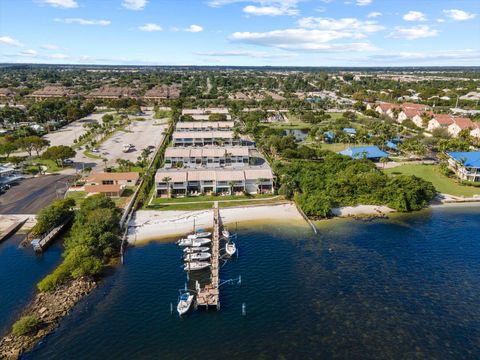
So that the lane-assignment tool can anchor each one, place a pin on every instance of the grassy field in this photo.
(208, 205)
(162, 201)
(339, 146)
(441, 182)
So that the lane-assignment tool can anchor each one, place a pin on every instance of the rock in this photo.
(42, 310)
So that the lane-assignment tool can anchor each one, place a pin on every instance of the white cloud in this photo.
(351, 24)
(192, 28)
(65, 4)
(303, 39)
(58, 56)
(28, 53)
(7, 40)
(374, 14)
(269, 10)
(247, 53)
(414, 16)
(83, 21)
(150, 27)
(458, 15)
(265, 8)
(412, 33)
(49, 47)
(134, 4)
(363, 2)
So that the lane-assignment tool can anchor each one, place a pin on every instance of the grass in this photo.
(91, 155)
(441, 182)
(162, 201)
(204, 206)
(78, 196)
(52, 166)
(339, 146)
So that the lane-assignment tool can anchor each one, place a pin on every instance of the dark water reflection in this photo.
(403, 288)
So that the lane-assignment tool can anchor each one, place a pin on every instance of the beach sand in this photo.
(147, 225)
(362, 210)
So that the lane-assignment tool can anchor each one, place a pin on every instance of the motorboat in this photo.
(184, 303)
(230, 248)
(197, 256)
(193, 242)
(196, 265)
(192, 250)
(226, 233)
(199, 234)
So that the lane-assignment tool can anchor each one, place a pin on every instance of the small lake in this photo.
(399, 288)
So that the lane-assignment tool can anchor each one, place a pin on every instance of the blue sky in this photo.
(241, 32)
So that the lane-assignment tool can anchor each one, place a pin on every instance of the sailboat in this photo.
(196, 249)
(193, 242)
(184, 303)
(195, 265)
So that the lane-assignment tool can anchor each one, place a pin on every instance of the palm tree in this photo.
(384, 161)
(167, 180)
(231, 184)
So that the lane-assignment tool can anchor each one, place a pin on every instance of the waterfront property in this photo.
(364, 152)
(185, 126)
(466, 165)
(173, 182)
(111, 184)
(213, 157)
(203, 138)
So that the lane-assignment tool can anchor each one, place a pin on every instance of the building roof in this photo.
(391, 145)
(370, 152)
(204, 125)
(351, 131)
(205, 111)
(100, 176)
(114, 188)
(207, 151)
(53, 91)
(112, 91)
(230, 175)
(443, 119)
(258, 174)
(174, 175)
(471, 158)
(184, 175)
(203, 134)
(463, 123)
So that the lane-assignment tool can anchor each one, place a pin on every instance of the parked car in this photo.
(68, 162)
(95, 150)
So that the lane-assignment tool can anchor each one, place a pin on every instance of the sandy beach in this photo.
(149, 225)
(362, 210)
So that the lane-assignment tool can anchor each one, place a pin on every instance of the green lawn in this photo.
(441, 182)
(51, 165)
(78, 196)
(338, 146)
(203, 206)
(161, 201)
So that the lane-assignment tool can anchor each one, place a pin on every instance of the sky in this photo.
(241, 32)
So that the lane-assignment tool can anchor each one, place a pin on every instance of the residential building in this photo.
(171, 183)
(476, 130)
(466, 165)
(52, 92)
(210, 157)
(113, 190)
(110, 92)
(163, 92)
(113, 178)
(204, 126)
(440, 121)
(202, 138)
(364, 152)
(387, 109)
(458, 125)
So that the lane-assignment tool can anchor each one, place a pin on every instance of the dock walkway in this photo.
(209, 295)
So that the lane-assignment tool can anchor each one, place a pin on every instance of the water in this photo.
(20, 270)
(388, 289)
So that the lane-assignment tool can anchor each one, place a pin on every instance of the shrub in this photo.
(25, 325)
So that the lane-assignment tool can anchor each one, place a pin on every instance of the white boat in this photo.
(127, 147)
(230, 248)
(197, 256)
(193, 242)
(198, 235)
(226, 233)
(196, 265)
(184, 303)
(192, 250)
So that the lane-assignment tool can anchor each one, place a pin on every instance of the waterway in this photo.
(20, 270)
(399, 288)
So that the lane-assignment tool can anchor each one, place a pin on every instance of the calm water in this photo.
(20, 270)
(390, 289)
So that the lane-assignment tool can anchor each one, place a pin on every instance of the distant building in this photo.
(458, 125)
(203, 138)
(6, 93)
(466, 165)
(163, 92)
(204, 126)
(52, 92)
(111, 184)
(109, 92)
(364, 152)
(440, 121)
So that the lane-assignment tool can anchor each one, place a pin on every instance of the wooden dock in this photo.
(209, 295)
(12, 229)
(40, 244)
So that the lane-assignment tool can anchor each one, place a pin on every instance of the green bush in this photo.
(25, 325)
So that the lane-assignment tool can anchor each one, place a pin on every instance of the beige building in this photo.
(210, 157)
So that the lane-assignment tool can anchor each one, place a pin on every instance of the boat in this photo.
(196, 249)
(226, 233)
(199, 234)
(127, 147)
(184, 303)
(230, 248)
(197, 256)
(196, 265)
(193, 242)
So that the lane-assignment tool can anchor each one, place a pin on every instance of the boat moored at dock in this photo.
(196, 265)
(184, 303)
(198, 256)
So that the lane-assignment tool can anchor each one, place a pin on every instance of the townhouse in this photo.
(466, 165)
(209, 157)
(458, 125)
(205, 138)
(184, 126)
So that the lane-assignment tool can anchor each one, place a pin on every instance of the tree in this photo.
(59, 153)
(38, 144)
(31, 143)
(7, 148)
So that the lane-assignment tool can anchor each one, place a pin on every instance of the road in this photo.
(32, 195)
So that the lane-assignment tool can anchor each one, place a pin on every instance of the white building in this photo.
(211, 157)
